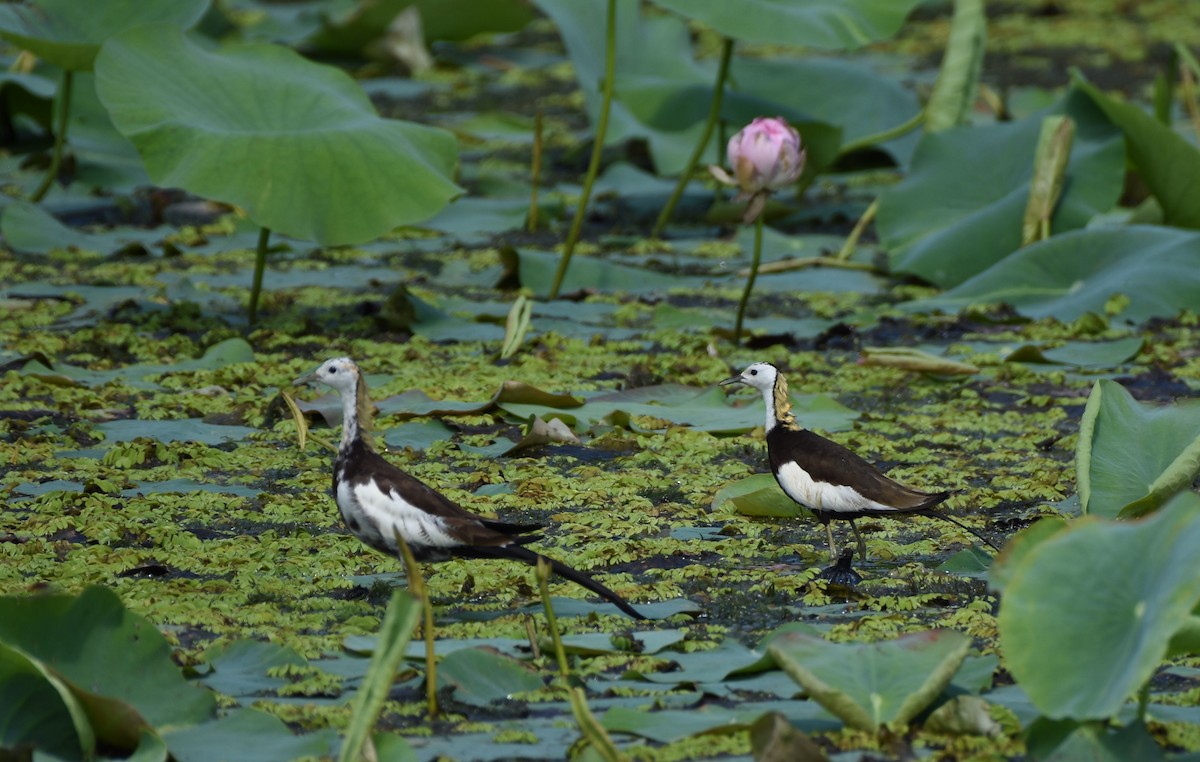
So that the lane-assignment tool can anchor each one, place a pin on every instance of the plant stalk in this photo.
(610, 71)
(416, 586)
(714, 115)
(260, 264)
(741, 313)
(848, 247)
(883, 136)
(535, 172)
(60, 136)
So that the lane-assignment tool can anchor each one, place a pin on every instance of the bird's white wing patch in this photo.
(382, 515)
(823, 496)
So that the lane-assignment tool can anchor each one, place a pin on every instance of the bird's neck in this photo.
(779, 406)
(356, 416)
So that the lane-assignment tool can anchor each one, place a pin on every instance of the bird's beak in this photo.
(306, 379)
(735, 380)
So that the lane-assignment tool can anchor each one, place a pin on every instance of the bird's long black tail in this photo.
(521, 553)
(960, 525)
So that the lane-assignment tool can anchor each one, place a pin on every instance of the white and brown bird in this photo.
(378, 501)
(828, 479)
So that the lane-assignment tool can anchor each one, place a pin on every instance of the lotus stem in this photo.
(851, 243)
(714, 116)
(741, 313)
(610, 72)
(60, 136)
(884, 136)
(260, 264)
(416, 586)
(535, 173)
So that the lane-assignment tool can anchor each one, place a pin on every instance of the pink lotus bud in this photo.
(765, 156)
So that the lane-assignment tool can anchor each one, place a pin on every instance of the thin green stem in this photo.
(416, 586)
(741, 313)
(882, 137)
(610, 72)
(714, 115)
(260, 264)
(852, 240)
(60, 137)
(535, 172)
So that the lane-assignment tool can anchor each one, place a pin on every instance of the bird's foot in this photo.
(842, 573)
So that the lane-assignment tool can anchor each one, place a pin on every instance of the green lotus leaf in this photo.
(1116, 480)
(1087, 614)
(298, 145)
(94, 642)
(1075, 273)
(872, 685)
(68, 33)
(959, 211)
(822, 24)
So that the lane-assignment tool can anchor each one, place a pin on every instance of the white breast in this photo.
(822, 496)
(379, 516)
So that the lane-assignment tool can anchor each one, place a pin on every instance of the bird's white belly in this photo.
(381, 516)
(823, 496)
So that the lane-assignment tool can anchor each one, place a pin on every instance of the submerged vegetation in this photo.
(979, 284)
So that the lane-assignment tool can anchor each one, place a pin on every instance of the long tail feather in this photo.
(959, 524)
(520, 553)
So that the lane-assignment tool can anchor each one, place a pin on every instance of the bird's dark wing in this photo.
(829, 462)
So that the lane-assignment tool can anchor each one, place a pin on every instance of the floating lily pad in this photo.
(1087, 614)
(186, 430)
(239, 669)
(872, 685)
(481, 676)
(417, 435)
(1116, 479)
(1081, 354)
(758, 495)
(262, 111)
(247, 735)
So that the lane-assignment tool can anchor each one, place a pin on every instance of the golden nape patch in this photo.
(783, 404)
(365, 410)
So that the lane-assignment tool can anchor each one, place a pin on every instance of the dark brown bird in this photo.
(378, 501)
(828, 479)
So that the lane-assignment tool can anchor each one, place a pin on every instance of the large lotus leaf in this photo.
(94, 642)
(239, 669)
(658, 48)
(1166, 161)
(68, 33)
(872, 685)
(824, 24)
(461, 19)
(1117, 480)
(1087, 614)
(37, 710)
(248, 735)
(295, 143)
(1079, 272)
(959, 210)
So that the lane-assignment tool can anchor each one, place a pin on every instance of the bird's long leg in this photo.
(416, 586)
(862, 544)
(833, 554)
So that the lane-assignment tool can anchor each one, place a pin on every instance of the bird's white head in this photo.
(341, 373)
(760, 375)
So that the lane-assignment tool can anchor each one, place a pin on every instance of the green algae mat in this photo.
(176, 582)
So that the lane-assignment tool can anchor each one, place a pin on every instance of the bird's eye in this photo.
(333, 369)
(754, 372)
